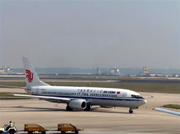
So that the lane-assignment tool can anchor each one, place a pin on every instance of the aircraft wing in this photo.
(44, 97)
(167, 111)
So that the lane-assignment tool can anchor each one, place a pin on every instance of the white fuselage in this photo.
(79, 97)
(104, 97)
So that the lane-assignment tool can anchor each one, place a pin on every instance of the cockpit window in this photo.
(137, 96)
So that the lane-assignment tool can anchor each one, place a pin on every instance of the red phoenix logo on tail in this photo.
(29, 75)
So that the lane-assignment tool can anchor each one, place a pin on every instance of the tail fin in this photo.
(32, 78)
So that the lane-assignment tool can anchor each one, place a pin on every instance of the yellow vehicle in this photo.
(65, 127)
(34, 128)
(1, 130)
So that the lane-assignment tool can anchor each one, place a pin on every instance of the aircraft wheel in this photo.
(11, 131)
(130, 111)
(76, 132)
(30, 132)
(68, 108)
(88, 108)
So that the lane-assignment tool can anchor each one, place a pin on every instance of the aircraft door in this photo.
(116, 95)
(124, 96)
(80, 92)
(37, 91)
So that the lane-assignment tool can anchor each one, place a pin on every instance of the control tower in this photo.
(145, 70)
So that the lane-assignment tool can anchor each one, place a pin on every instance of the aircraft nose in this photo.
(144, 101)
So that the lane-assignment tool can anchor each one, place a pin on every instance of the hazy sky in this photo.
(87, 34)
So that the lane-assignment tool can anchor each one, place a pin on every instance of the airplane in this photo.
(79, 97)
(166, 111)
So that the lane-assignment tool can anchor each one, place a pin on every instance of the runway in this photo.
(99, 120)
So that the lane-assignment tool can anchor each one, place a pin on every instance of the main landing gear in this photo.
(68, 108)
(88, 108)
(130, 111)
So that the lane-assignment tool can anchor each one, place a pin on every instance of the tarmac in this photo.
(97, 121)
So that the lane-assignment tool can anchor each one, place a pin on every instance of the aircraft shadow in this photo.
(43, 109)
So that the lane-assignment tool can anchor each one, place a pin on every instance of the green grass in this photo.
(10, 96)
(12, 84)
(175, 106)
(138, 87)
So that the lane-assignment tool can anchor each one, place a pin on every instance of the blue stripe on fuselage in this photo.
(87, 98)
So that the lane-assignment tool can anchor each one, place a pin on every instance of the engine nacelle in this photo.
(78, 104)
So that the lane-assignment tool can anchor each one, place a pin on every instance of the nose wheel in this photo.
(130, 111)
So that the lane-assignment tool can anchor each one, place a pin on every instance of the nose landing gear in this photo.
(131, 109)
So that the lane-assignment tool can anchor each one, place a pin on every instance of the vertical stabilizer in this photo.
(32, 78)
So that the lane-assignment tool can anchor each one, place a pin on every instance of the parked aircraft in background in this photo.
(79, 97)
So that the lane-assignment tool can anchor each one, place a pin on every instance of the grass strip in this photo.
(138, 87)
(10, 96)
(174, 106)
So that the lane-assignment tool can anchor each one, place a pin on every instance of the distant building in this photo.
(145, 73)
(176, 75)
(98, 71)
(115, 71)
(5, 70)
(151, 75)
(145, 70)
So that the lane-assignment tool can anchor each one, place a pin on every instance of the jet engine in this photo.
(78, 104)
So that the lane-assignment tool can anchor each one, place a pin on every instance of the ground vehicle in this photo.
(64, 127)
(1, 130)
(34, 127)
(5, 129)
